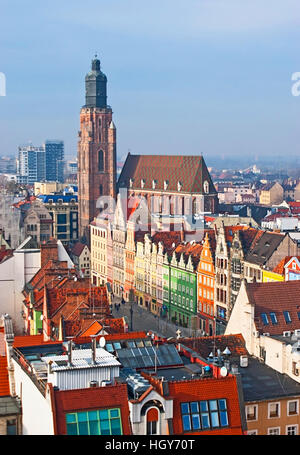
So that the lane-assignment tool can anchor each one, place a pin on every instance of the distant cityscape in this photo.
(157, 295)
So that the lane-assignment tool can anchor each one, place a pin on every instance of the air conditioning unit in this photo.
(287, 333)
(266, 334)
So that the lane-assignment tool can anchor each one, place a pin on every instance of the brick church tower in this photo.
(96, 149)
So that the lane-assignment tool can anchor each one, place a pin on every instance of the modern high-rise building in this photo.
(96, 149)
(30, 164)
(54, 158)
(36, 164)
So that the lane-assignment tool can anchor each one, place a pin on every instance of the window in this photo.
(292, 408)
(99, 422)
(203, 415)
(11, 427)
(264, 318)
(251, 412)
(152, 427)
(100, 161)
(274, 410)
(252, 432)
(273, 318)
(274, 431)
(295, 370)
(292, 430)
(287, 317)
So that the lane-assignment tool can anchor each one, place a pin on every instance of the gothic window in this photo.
(99, 129)
(100, 161)
(206, 186)
(100, 190)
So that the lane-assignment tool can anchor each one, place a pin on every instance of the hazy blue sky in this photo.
(210, 76)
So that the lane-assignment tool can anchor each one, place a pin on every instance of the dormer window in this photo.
(142, 183)
(179, 186)
(130, 183)
(166, 184)
(154, 182)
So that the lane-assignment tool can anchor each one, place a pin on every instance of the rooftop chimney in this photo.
(94, 346)
(49, 251)
(70, 353)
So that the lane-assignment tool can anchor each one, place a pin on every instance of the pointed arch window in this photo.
(100, 161)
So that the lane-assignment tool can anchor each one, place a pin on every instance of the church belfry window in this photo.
(100, 161)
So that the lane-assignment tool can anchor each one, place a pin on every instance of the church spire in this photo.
(96, 86)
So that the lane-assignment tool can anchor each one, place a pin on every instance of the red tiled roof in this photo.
(276, 215)
(205, 345)
(279, 268)
(169, 240)
(113, 337)
(275, 297)
(207, 389)
(67, 401)
(189, 249)
(30, 340)
(191, 171)
(4, 254)
(77, 249)
(247, 237)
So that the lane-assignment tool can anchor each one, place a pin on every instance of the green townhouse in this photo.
(180, 286)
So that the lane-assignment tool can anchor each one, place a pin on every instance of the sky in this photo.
(184, 77)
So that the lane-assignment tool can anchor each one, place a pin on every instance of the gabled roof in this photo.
(94, 398)
(268, 186)
(279, 268)
(190, 171)
(78, 248)
(263, 247)
(207, 389)
(275, 297)
(247, 237)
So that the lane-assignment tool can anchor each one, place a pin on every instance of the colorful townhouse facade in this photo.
(206, 285)
(180, 284)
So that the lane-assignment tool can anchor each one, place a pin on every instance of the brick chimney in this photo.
(49, 251)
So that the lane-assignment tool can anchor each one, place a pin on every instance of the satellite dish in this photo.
(102, 342)
(223, 372)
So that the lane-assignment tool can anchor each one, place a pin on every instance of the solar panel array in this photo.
(149, 356)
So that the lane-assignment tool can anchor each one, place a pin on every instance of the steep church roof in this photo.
(183, 174)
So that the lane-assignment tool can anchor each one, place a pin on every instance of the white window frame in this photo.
(273, 428)
(256, 413)
(279, 410)
(288, 411)
(288, 426)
